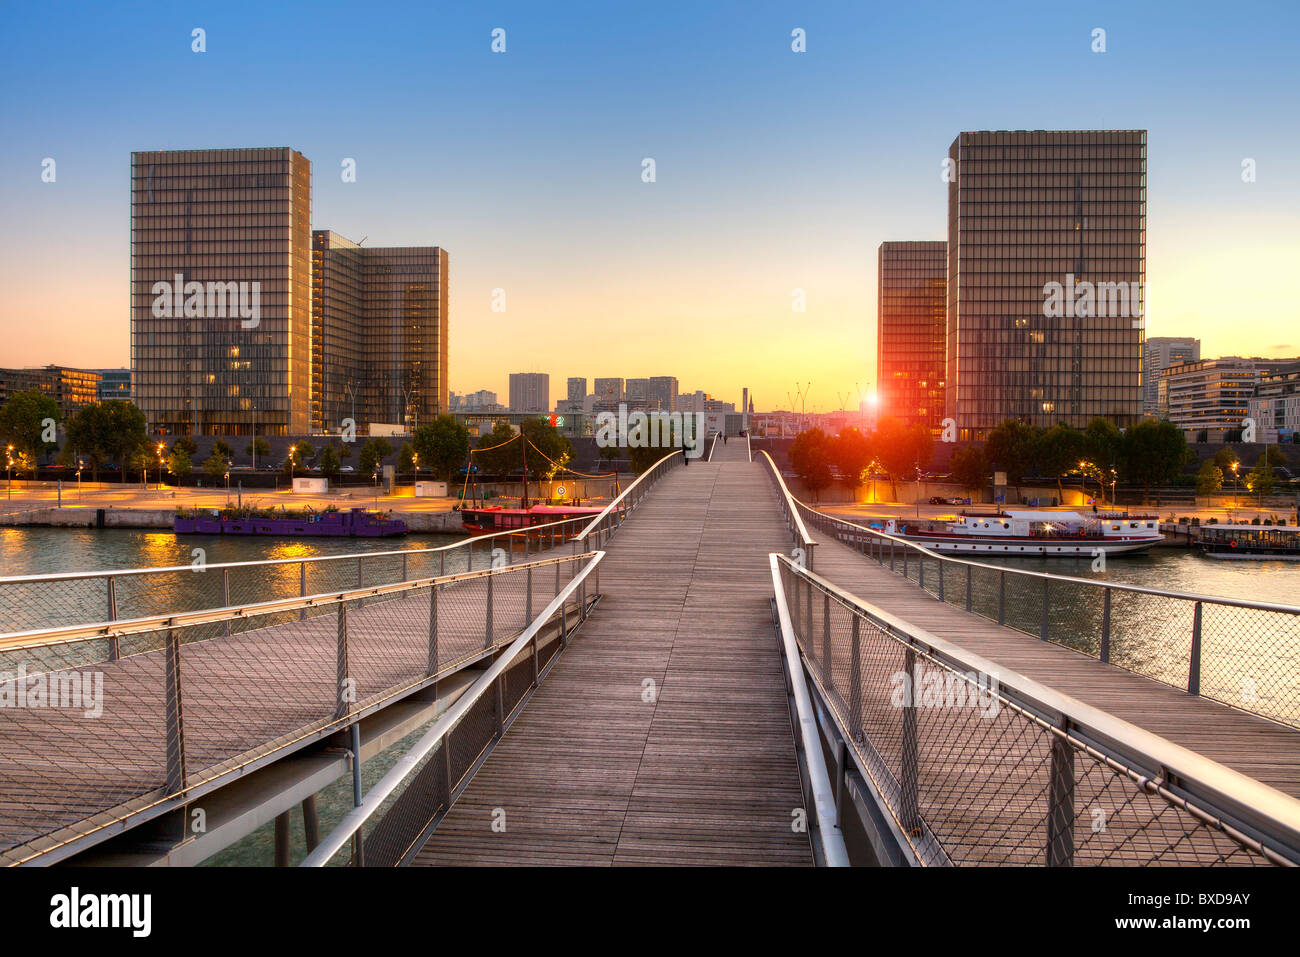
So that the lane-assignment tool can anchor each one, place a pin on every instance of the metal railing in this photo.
(388, 826)
(973, 764)
(599, 529)
(72, 598)
(802, 542)
(1240, 653)
(121, 722)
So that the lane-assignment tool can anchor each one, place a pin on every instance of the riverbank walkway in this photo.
(663, 734)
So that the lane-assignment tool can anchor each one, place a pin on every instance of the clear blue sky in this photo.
(775, 170)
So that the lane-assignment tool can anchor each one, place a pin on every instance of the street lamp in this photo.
(9, 483)
(1234, 483)
(415, 465)
(80, 466)
(160, 465)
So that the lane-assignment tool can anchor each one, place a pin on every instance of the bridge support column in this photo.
(282, 839)
(310, 823)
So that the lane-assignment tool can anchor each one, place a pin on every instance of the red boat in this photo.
(497, 518)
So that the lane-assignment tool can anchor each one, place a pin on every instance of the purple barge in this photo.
(355, 523)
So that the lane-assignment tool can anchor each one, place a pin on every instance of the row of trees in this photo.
(1226, 469)
(1150, 453)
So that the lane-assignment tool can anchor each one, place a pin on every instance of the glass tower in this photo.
(220, 290)
(911, 307)
(1046, 278)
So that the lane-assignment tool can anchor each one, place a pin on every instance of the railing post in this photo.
(302, 589)
(403, 566)
(114, 645)
(938, 567)
(528, 596)
(920, 570)
(225, 598)
(174, 715)
(826, 641)
(442, 563)
(968, 586)
(1042, 634)
(1105, 626)
(855, 676)
(358, 841)
(433, 630)
(1060, 806)
(1002, 597)
(909, 800)
(341, 660)
(1194, 665)
(487, 629)
(905, 563)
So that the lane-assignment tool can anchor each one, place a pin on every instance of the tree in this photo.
(373, 454)
(555, 450)
(106, 432)
(497, 461)
(970, 467)
(141, 459)
(178, 463)
(23, 421)
(221, 448)
(262, 446)
(329, 462)
(406, 458)
(902, 450)
(214, 464)
(1260, 479)
(1102, 443)
(1010, 448)
(851, 454)
(810, 456)
(442, 445)
(299, 455)
(1059, 451)
(1209, 479)
(186, 445)
(1153, 452)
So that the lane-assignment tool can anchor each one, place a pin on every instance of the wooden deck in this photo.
(1262, 749)
(663, 735)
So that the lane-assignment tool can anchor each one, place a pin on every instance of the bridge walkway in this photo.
(663, 735)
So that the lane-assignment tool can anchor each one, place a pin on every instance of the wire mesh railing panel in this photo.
(970, 775)
(1152, 635)
(172, 704)
(1250, 659)
(405, 815)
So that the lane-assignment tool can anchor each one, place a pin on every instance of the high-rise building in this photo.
(530, 392)
(638, 393)
(1046, 278)
(1210, 399)
(221, 290)
(379, 333)
(114, 384)
(911, 307)
(661, 393)
(609, 393)
(577, 390)
(1158, 354)
(1275, 407)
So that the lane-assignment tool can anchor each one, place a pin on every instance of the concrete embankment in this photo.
(442, 522)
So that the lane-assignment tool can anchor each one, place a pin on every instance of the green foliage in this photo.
(970, 467)
(1209, 479)
(1153, 452)
(1102, 442)
(221, 448)
(406, 458)
(329, 461)
(902, 450)
(186, 445)
(263, 447)
(1011, 448)
(178, 463)
(1058, 451)
(1260, 479)
(499, 460)
(810, 456)
(443, 446)
(106, 432)
(22, 421)
(851, 454)
(299, 456)
(214, 464)
(373, 453)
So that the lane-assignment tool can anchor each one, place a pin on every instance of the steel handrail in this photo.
(267, 562)
(374, 798)
(121, 628)
(788, 505)
(1052, 576)
(652, 471)
(1245, 803)
(819, 782)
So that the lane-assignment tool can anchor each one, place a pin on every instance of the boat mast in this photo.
(523, 437)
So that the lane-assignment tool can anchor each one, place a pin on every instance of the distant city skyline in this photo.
(532, 175)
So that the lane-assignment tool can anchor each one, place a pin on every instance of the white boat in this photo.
(1039, 533)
